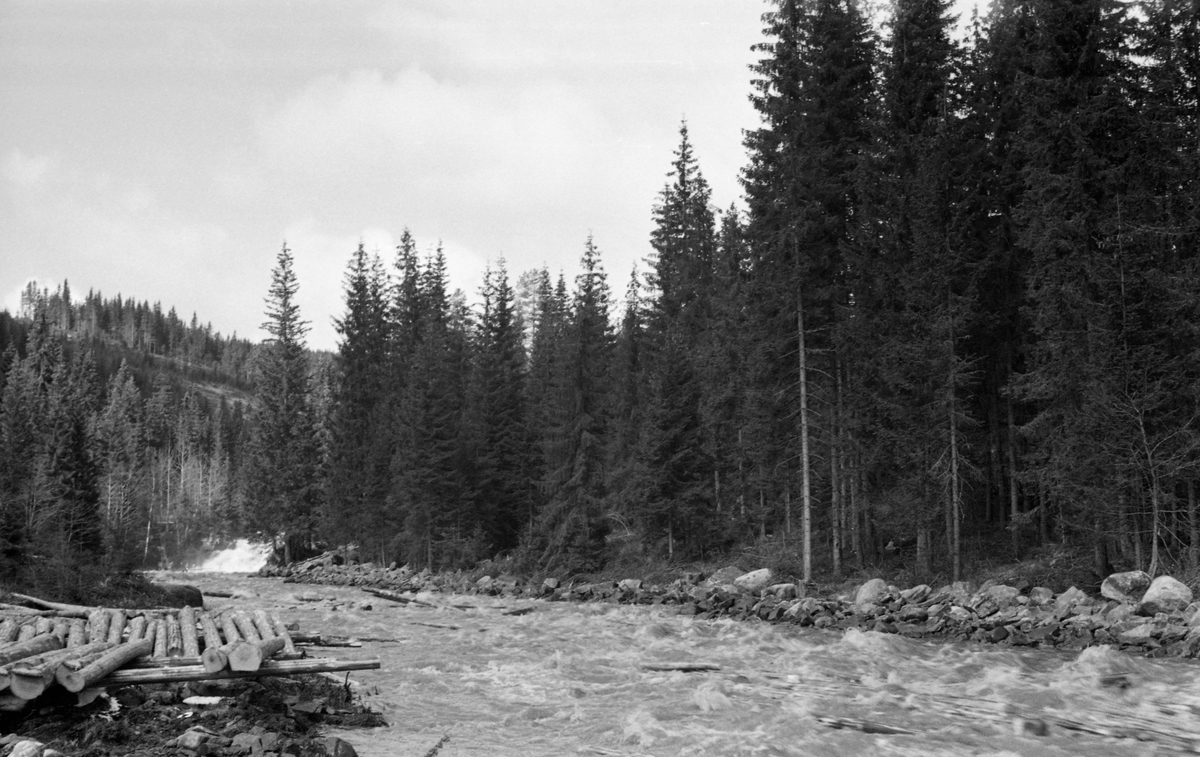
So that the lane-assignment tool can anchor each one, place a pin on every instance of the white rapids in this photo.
(244, 557)
(567, 679)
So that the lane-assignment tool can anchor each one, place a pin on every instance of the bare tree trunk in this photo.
(835, 499)
(856, 526)
(1013, 491)
(1193, 527)
(955, 495)
(806, 490)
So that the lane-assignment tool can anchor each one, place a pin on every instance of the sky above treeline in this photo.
(165, 150)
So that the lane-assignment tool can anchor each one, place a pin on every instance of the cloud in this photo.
(28, 171)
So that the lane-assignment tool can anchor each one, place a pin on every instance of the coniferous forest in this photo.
(955, 316)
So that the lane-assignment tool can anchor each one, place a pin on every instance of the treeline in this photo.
(112, 456)
(962, 298)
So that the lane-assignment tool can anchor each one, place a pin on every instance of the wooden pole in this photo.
(269, 668)
(114, 659)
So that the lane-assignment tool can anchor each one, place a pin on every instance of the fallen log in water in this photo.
(685, 667)
(395, 597)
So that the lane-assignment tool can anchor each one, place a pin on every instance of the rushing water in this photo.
(569, 679)
(244, 556)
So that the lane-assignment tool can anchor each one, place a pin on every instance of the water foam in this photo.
(244, 557)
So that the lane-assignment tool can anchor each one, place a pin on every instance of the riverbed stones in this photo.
(723, 577)
(754, 581)
(1165, 594)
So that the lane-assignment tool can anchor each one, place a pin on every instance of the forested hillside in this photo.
(960, 301)
(121, 436)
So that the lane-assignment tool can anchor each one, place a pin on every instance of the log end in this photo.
(213, 660)
(245, 657)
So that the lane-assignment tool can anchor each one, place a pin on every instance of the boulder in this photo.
(1129, 586)
(917, 593)
(181, 595)
(723, 577)
(870, 592)
(1165, 594)
(1001, 594)
(630, 585)
(755, 580)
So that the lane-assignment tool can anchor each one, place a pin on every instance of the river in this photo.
(566, 679)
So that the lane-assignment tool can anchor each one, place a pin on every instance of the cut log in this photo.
(26, 632)
(262, 623)
(245, 627)
(77, 635)
(36, 645)
(183, 662)
(319, 640)
(248, 656)
(229, 628)
(160, 638)
(174, 636)
(116, 626)
(137, 628)
(212, 637)
(12, 703)
(114, 659)
(187, 629)
(98, 626)
(62, 628)
(43, 625)
(289, 646)
(9, 628)
(29, 678)
(269, 668)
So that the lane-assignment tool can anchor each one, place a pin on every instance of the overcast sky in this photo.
(164, 150)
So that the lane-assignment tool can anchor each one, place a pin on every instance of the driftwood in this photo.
(269, 668)
(111, 661)
(320, 640)
(395, 597)
(686, 667)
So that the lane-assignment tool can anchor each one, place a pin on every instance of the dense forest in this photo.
(960, 302)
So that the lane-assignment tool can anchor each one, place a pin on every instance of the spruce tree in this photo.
(282, 479)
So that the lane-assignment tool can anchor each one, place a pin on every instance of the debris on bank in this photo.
(75, 648)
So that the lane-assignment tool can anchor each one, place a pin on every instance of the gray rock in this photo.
(723, 577)
(1001, 594)
(871, 591)
(631, 585)
(917, 593)
(28, 748)
(1068, 602)
(550, 584)
(1129, 586)
(755, 580)
(181, 595)
(782, 591)
(335, 747)
(1165, 594)
(1041, 595)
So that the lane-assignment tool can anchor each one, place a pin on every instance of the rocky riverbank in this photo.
(1133, 612)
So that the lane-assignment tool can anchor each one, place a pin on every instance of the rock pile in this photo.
(1156, 617)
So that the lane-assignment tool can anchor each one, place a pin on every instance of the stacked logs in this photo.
(38, 650)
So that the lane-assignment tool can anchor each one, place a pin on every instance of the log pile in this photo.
(80, 647)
